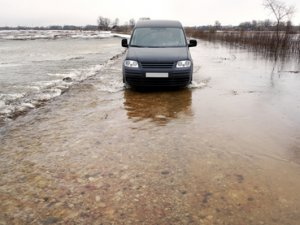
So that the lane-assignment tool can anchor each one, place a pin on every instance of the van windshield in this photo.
(158, 37)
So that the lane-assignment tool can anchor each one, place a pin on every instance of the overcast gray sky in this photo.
(82, 12)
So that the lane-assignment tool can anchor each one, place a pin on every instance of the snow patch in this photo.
(57, 34)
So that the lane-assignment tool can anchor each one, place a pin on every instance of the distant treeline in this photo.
(105, 24)
(254, 25)
(122, 28)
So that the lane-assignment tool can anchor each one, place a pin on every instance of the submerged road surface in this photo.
(224, 151)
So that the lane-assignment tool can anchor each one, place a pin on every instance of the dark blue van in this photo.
(158, 55)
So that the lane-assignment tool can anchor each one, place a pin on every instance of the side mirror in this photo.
(124, 43)
(193, 43)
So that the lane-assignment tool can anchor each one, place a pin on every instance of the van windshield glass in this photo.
(158, 37)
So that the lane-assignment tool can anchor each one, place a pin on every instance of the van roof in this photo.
(158, 23)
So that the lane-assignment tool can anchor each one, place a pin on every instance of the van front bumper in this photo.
(176, 77)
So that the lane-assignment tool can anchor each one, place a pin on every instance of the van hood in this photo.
(157, 54)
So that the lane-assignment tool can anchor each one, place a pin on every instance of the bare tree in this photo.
(103, 23)
(267, 23)
(218, 25)
(280, 10)
(132, 22)
(116, 22)
(282, 14)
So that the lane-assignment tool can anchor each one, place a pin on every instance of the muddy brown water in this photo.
(224, 151)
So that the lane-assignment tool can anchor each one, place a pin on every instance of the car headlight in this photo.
(131, 63)
(183, 64)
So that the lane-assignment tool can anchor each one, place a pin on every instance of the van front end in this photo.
(157, 73)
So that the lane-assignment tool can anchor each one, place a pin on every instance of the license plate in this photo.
(157, 75)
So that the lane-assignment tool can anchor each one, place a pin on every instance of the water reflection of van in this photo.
(158, 107)
(158, 55)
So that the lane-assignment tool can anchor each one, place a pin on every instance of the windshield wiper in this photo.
(137, 46)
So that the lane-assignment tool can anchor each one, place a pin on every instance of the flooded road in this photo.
(226, 150)
(35, 71)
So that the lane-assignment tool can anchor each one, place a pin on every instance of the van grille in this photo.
(157, 65)
(136, 81)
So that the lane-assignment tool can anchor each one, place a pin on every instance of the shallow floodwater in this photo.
(35, 68)
(223, 151)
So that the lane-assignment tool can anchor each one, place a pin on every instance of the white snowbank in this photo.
(57, 34)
